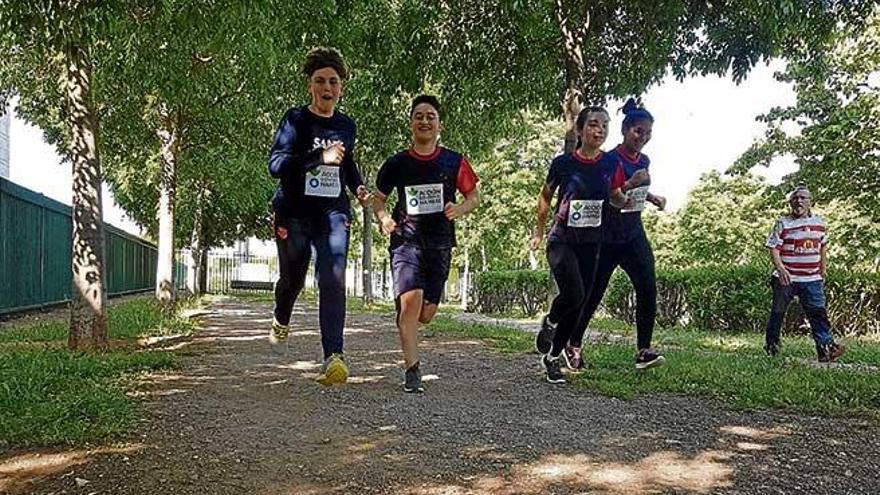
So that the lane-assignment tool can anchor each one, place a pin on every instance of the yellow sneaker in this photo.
(278, 337)
(334, 371)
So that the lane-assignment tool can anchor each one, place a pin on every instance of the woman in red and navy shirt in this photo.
(626, 244)
(427, 178)
(586, 180)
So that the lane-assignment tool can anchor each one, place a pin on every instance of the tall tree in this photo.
(190, 92)
(48, 61)
(836, 119)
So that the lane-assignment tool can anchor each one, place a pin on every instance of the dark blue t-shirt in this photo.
(424, 184)
(307, 188)
(625, 225)
(583, 190)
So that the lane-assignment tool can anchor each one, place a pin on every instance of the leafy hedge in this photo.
(721, 298)
(737, 298)
(507, 291)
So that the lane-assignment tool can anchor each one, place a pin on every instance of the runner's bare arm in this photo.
(471, 201)
(386, 223)
(658, 201)
(544, 198)
(618, 195)
(784, 276)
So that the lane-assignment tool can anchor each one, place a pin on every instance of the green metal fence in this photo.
(35, 253)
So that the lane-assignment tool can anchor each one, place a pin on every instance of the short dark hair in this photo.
(323, 56)
(430, 100)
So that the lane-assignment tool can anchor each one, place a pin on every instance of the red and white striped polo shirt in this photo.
(799, 241)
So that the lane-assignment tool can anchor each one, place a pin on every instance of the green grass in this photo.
(356, 304)
(501, 338)
(51, 396)
(732, 369)
(126, 320)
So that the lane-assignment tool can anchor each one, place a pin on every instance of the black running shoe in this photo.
(412, 383)
(544, 339)
(554, 369)
(647, 358)
(772, 350)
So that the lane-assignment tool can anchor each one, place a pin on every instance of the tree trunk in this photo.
(88, 317)
(194, 277)
(573, 35)
(168, 136)
(465, 280)
(368, 255)
(203, 271)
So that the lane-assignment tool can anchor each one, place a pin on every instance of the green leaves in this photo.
(836, 116)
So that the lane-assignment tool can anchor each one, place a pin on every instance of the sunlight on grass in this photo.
(127, 320)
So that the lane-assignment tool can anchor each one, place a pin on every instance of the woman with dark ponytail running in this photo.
(585, 180)
(626, 245)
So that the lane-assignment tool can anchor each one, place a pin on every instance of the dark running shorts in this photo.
(414, 267)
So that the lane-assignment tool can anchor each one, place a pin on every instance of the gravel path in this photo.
(239, 420)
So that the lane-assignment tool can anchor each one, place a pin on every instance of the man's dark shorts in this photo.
(415, 267)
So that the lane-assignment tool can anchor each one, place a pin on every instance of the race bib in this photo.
(636, 198)
(323, 181)
(424, 199)
(585, 213)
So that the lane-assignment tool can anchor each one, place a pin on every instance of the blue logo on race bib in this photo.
(414, 202)
(576, 216)
(314, 182)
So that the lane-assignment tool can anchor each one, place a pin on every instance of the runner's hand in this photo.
(640, 177)
(333, 155)
(362, 195)
(535, 242)
(388, 225)
(453, 210)
(659, 202)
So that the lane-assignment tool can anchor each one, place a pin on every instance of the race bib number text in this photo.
(636, 199)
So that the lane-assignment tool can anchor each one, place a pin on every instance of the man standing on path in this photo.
(797, 246)
(313, 159)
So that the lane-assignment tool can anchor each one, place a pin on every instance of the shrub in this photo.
(505, 291)
(719, 298)
(737, 298)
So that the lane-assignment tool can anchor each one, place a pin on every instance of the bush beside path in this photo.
(234, 418)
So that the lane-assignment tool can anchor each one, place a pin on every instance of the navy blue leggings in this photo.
(574, 268)
(295, 237)
(637, 260)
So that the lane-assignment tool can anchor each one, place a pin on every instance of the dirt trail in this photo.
(237, 419)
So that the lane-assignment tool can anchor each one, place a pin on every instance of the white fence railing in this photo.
(224, 268)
